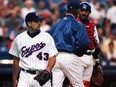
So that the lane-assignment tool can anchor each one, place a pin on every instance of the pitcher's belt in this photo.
(30, 71)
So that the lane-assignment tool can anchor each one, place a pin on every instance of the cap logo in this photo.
(84, 6)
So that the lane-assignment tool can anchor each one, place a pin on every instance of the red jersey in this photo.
(90, 30)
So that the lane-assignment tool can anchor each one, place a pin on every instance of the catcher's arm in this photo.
(97, 75)
(97, 49)
(97, 54)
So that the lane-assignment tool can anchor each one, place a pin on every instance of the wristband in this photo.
(97, 60)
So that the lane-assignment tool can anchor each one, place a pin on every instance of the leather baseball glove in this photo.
(42, 77)
(97, 75)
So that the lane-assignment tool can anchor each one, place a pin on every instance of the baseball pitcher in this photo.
(34, 54)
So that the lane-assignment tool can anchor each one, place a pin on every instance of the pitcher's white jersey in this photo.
(33, 52)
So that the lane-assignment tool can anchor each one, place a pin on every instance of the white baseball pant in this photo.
(26, 80)
(70, 65)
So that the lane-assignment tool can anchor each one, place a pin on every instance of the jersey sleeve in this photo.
(14, 49)
(96, 34)
(52, 48)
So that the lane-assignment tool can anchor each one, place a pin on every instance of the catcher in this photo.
(95, 75)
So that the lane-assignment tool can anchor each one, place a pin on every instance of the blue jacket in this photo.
(70, 35)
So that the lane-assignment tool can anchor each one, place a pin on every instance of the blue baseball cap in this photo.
(73, 4)
(33, 16)
(85, 6)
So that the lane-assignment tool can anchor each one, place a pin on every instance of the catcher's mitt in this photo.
(97, 75)
(42, 77)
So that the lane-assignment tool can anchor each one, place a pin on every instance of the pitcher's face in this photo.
(34, 26)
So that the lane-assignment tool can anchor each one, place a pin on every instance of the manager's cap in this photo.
(33, 16)
(85, 6)
(73, 4)
(114, 2)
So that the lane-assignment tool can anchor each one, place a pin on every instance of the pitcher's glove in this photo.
(42, 77)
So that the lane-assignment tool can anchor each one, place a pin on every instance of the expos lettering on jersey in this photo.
(27, 51)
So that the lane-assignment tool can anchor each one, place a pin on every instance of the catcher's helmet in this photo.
(85, 6)
(33, 16)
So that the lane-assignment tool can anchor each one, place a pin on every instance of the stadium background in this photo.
(12, 13)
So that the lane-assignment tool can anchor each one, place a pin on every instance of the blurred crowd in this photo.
(13, 12)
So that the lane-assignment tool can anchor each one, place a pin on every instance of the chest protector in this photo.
(90, 30)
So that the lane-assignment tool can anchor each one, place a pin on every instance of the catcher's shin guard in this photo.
(86, 83)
